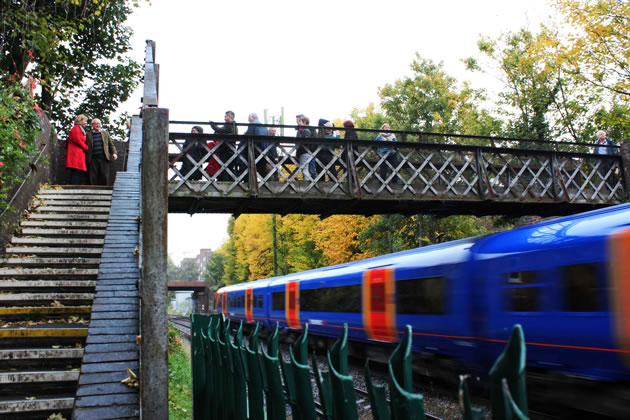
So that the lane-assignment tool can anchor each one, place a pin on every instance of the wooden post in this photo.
(153, 286)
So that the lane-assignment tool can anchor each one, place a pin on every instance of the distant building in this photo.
(201, 261)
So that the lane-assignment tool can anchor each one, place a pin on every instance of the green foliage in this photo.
(19, 132)
(432, 101)
(215, 270)
(76, 49)
(179, 381)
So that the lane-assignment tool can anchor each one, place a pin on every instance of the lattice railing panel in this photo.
(334, 168)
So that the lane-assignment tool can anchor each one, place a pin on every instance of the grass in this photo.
(179, 379)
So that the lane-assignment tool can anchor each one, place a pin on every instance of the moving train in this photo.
(565, 280)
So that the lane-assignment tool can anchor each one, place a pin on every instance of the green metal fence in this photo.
(234, 381)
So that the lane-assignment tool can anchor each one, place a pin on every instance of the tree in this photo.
(597, 48)
(531, 81)
(431, 101)
(229, 255)
(338, 238)
(188, 270)
(172, 270)
(75, 48)
(213, 273)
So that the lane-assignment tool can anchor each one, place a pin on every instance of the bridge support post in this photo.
(153, 286)
(625, 160)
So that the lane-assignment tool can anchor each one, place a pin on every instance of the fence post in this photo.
(153, 287)
(510, 366)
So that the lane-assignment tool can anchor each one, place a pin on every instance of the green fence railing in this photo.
(234, 381)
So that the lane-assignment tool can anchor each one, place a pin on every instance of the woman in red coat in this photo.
(75, 158)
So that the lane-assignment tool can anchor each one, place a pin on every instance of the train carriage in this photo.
(566, 281)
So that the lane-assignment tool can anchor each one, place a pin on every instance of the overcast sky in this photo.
(320, 58)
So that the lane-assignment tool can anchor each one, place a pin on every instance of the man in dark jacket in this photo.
(101, 151)
(225, 152)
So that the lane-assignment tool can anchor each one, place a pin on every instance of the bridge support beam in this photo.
(153, 287)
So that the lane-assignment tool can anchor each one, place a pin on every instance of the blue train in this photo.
(566, 281)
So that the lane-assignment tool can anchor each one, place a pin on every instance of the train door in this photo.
(249, 305)
(379, 304)
(292, 304)
(619, 266)
(224, 303)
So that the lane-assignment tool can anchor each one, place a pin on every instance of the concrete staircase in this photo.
(47, 282)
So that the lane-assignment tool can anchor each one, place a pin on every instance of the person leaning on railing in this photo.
(224, 153)
(303, 153)
(606, 164)
(392, 157)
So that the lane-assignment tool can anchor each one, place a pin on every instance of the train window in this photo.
(582, 289)
(421, 296)
(523, 291)
(277, 301)
(258, 301)
(331, 299)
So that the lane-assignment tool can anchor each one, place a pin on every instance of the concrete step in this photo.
(80, 197)
(68, 331)
(47, 272)
(80, 190)
(28, 250)
(63, 232)
(28, 354)
(63, 209)
(55, 241)
(19, 406)
(66, 224)
(34, 262)
(38, 311)
(59, 216)
(10, 285)
(12, 298)
(30, 377)
(71, 203)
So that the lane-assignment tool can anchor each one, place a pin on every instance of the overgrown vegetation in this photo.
(19, 132)
(76, 49)
(179, 379)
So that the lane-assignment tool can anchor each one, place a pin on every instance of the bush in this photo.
(19, 132)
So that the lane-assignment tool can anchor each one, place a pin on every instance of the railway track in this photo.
(182, 324)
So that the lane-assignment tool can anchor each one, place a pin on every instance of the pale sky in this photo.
(321, 59)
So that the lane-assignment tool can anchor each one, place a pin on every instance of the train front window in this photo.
(582, 288)
(277, 301)
(523, 291)
(421, 296)
(331, 299)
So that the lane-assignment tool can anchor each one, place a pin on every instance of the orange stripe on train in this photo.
(249, 305)
(379, 307)
(292, 304)
(619, 269)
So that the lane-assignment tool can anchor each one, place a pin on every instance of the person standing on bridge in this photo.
(390, 153)
(76, 148)
(305, 159)
(224, 153)
(101, 151)
(606, 164)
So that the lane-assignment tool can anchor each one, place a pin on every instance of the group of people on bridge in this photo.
(306, 161)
